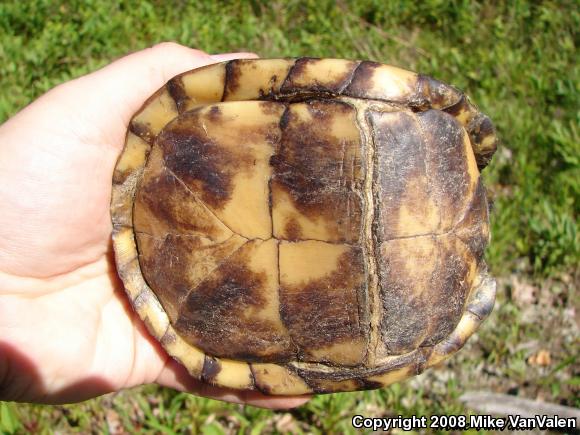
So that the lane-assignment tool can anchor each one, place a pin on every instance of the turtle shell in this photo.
(305, 225)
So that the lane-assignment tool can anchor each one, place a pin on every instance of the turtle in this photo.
(305, 225)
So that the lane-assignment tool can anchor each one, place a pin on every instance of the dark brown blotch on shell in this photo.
(260, 386)
(323, 312)
(219, 315)
(235, 70)
(164, 269)
(438, 95)
(481, 128)
(481, 308)
(293, 85)
(461, 106)
(483, 301)
(421, 309)
(211, 368)
(177, 91)
(362, 81)
(194, 158)
(199, 161)
(269, 108)
(310, 167)
(397, 139)
(141, 130)
(292, 230)
(449, 291)
(450, 345)
(473, 230)
(168, 338)
(214, 114)
(169, 202)
(432, 186)
(446, 161)
(322, 386)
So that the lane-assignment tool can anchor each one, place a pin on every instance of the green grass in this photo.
(517, 60)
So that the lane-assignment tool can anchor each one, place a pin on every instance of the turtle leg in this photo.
(434, 94)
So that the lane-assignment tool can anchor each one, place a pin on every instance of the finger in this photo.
(127, 82)
(175, 376)
(106, 99)
(222, 57)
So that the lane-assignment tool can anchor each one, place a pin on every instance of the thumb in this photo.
(133, 78)
(105, 100)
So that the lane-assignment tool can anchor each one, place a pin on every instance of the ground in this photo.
(517, 61)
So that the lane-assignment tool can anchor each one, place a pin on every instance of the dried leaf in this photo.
(541, 358)
(114, 424)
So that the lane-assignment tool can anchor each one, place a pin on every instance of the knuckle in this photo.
(170, 46)
(166, 45)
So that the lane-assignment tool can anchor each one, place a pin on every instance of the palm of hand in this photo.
(66, 330)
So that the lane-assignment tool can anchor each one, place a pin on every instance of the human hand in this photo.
(67, 332)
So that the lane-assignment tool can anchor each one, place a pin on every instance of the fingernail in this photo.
(229, 56)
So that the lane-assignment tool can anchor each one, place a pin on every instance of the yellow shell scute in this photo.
(392, 376)
(190, 356)
(204, 85)
(234, 374)
(134, 155)
(157, 113)
(250, 79)
(275, 379)
(301, 262)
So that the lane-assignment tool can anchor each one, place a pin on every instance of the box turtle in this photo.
(305, 225)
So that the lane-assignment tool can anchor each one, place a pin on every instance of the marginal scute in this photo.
(234, 374)
(390, 377)
(125, 248)
(331, 385)
(276, 379)
(438, 94)
(152, 314)
(456, 340)
(248, 80)
(133, 157)
(305, 225)
(155, 114)
(211, 368)
(201, 86)
(191, 357)
(483, 137)
(310, 75)
(482, 300)
(122, 202)
(382, 82)
(129, 275)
